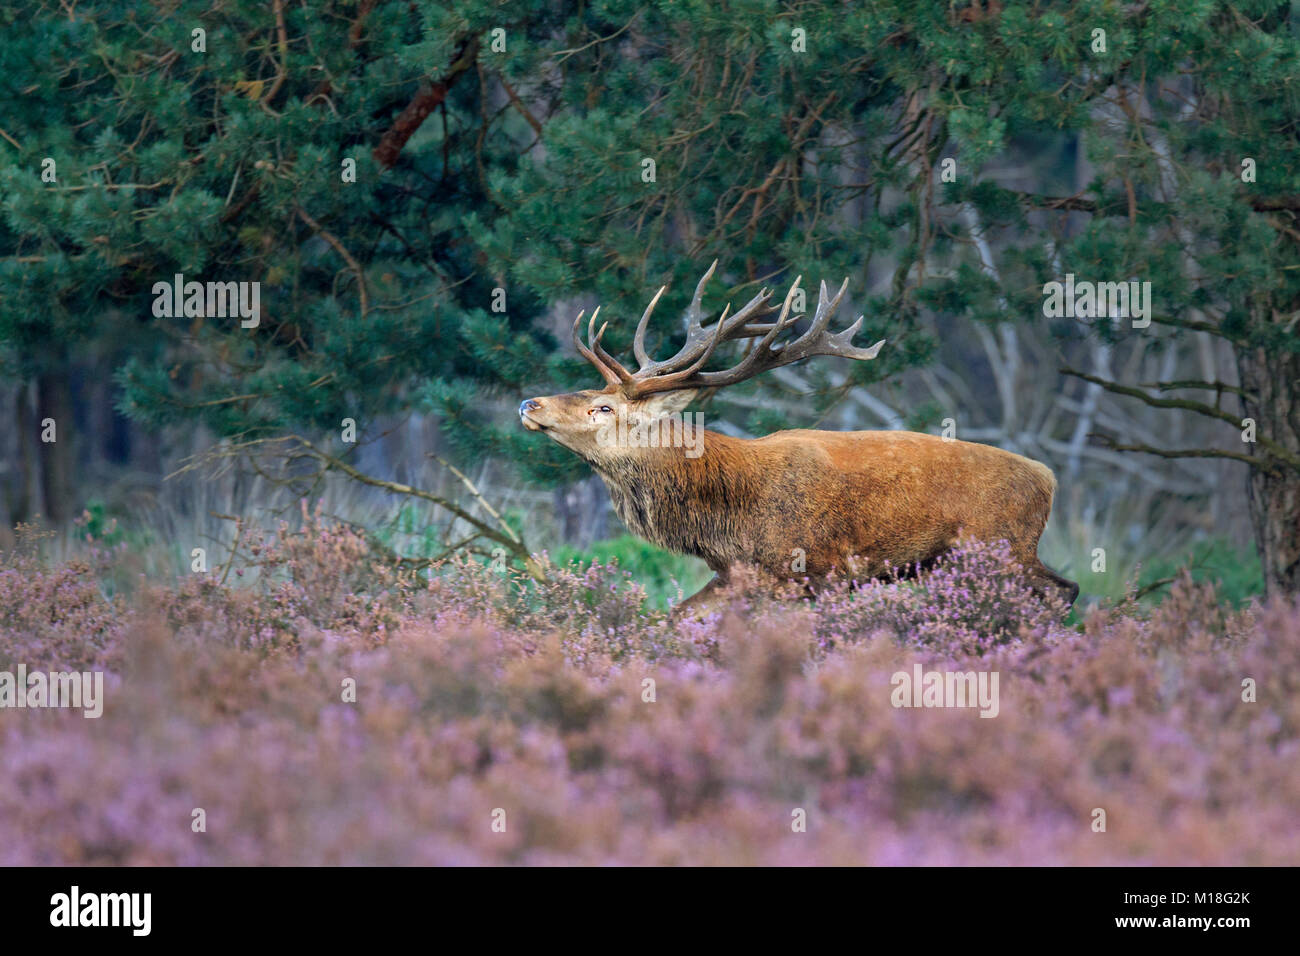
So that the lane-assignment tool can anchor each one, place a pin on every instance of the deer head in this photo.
(578, 420)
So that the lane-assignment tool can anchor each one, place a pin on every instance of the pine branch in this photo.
(426, 100)
(1075, 203)
(1195, 326)
(1274, 203)
(338, 247)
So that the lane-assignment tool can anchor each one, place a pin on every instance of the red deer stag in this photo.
(865, 501)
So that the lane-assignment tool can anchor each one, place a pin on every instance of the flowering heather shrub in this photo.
(58, 617)
(598, 610)
(322, 574)
(477, 691)
(971, 600)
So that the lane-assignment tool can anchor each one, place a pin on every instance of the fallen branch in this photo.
(506, 536)
(473, 490)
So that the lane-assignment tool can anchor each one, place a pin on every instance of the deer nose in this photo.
(528, 405)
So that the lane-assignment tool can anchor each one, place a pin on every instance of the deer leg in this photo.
(702, 601)
(1069, 589)
(739, 577)
(1045, 581)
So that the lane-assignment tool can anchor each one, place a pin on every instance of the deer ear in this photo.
(666, 403)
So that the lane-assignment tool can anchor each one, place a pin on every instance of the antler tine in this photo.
(606, 372)
(614, 365)
(697, 339)
(741, 327)
(823, 315)
(821, 319)
(695, 311)
(713, 343)
(669, 381)
(638, 343)
(749, 330)
(761, 355)
(815, 341)
(843, 342)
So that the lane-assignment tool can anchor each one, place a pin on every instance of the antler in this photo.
(682, 371)
(606, 364)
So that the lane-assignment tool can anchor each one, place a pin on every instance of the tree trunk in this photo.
(1273, 378)
(30, 501)
(598, 510)
(10, 472)
(566, 507)
(582, 512)
(54, 401)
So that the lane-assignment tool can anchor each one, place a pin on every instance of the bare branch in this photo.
(1187, 404)
(519, 106)
(1253, 460)
(473, 490)
(508, 538)
(1209, 411)
(1193, 383)
(283, 72)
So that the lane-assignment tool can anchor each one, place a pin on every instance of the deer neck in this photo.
(690, 504)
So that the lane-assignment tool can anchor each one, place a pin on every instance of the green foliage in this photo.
(171, 160)
(924, 417)
(664, 575)
(1237, 575)
(97, 525)
(377, 295)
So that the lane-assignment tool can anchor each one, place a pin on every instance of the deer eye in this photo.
(604, 408)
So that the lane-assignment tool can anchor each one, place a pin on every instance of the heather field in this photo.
(592, 730)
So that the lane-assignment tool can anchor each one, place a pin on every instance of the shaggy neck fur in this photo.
(696, 506)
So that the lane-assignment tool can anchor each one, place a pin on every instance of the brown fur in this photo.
(858, 502)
